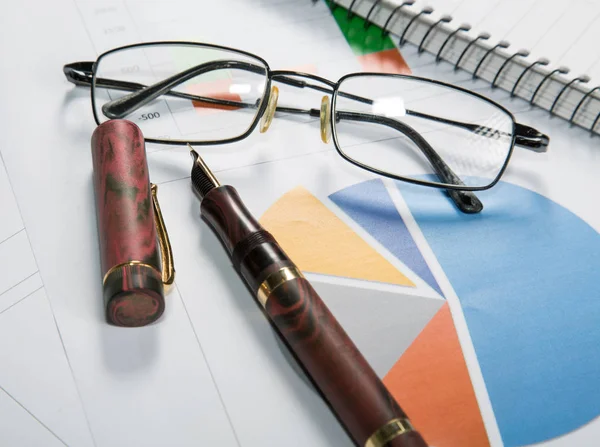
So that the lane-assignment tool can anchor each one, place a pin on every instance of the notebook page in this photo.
(566, 33)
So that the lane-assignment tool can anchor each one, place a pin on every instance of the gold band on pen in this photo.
(130, 264)
(275, 280)
(389, 431)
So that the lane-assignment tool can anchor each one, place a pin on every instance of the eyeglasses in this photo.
(401, 127)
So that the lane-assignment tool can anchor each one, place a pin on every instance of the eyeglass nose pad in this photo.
(325, 116)
(267, 118)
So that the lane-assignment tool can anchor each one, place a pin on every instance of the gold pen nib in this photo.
(202, 177)
(195, 155)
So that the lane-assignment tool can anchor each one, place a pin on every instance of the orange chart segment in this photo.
(432, 383)
(219, 89)
(319, 242)
(388, 61)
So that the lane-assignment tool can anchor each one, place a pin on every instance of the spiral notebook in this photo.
(524, 47)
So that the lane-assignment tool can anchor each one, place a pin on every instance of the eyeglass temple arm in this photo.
(121, 107)
(525, 136)
(80, 73)
(466, 201)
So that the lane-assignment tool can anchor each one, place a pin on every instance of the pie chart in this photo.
(386, 257)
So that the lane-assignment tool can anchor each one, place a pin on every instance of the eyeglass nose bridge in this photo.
(267, 118)
(325, 118)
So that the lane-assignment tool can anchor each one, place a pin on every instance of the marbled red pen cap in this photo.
(128, 215)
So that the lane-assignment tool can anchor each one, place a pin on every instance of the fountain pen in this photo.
(353, 391)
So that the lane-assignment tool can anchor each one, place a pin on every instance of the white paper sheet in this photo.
(212, 371)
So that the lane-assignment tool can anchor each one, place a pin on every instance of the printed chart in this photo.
(532, 336)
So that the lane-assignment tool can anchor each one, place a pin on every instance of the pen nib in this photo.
(195, 156)
(202, 177)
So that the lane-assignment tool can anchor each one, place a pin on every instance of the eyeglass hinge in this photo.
(530, 138)
(79, 73)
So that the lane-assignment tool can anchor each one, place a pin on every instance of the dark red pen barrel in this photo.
(358, 397)
(129, 249)
(355, 393)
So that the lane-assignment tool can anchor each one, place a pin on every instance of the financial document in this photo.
(212, 371)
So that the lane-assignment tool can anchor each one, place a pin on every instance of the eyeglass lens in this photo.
(407, 123)
(219, 100)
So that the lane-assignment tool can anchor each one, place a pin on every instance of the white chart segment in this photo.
(382, 324)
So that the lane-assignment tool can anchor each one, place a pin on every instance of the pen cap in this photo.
(129, 245)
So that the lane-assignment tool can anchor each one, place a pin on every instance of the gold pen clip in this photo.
(168, 268)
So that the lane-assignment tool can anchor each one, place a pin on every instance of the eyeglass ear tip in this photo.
(466, 201)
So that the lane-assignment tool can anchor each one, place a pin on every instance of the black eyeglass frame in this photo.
(521, 134)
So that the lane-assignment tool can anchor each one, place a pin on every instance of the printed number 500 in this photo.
(149, 116)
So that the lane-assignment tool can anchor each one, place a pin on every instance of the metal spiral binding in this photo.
(384, 31)
(425, 11)
(586, 96)
(561, 70)
(520, 53)
(482, 36)
(501, 44)
(444, 19)
(583, 79)
(463, 27)
(368, 16)
(350, 14)
(542, 62)
(595, 122)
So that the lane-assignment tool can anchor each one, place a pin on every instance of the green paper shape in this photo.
(362, 41)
